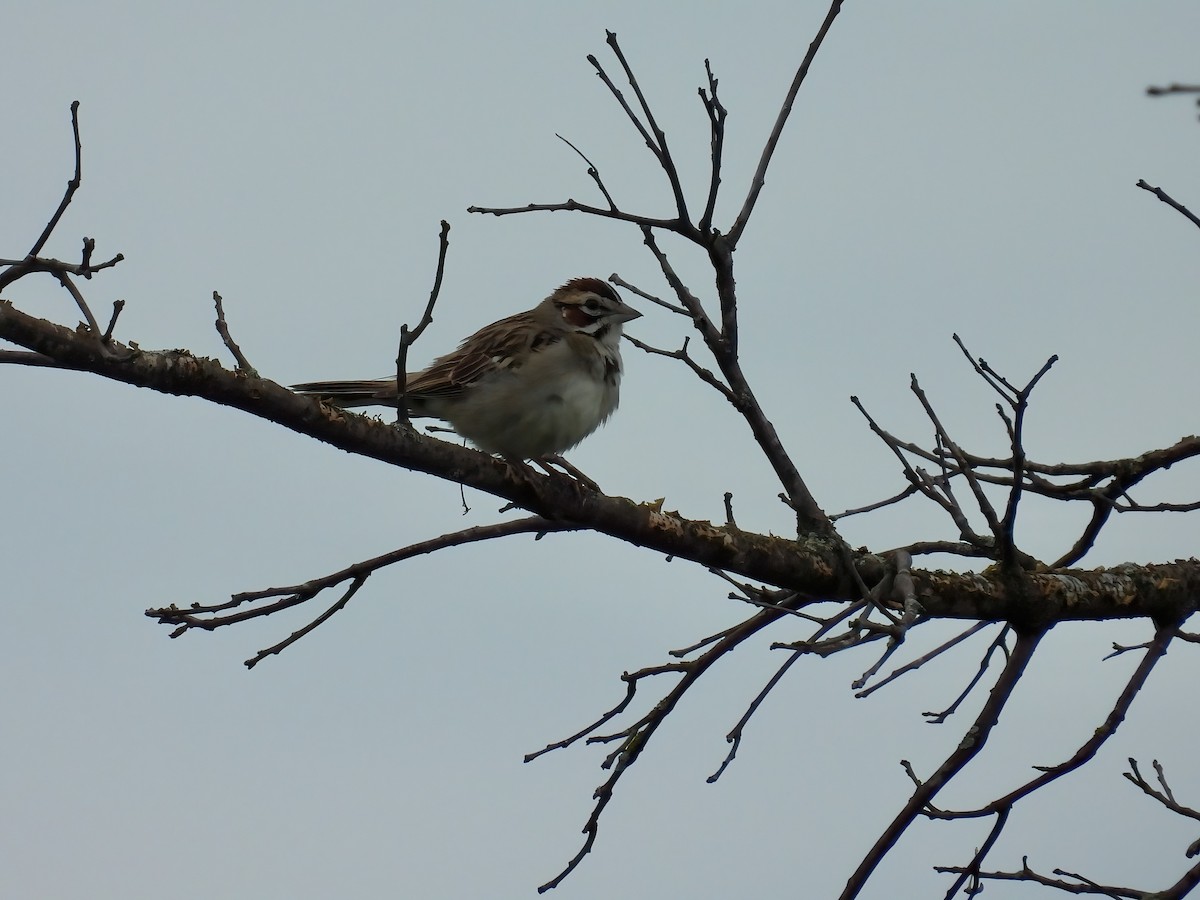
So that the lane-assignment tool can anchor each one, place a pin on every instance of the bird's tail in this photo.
(379, 392)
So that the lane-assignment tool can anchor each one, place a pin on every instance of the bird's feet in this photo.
(546, 462)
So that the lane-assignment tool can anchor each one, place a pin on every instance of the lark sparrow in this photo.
(527, 387)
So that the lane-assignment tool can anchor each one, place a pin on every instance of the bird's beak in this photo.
(626, 313)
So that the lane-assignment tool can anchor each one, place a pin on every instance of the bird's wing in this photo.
(501, 346)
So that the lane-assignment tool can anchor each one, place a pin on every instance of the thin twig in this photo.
(212, 616)
(118, 305)
(662, 151)
(871, 507)
(999, 643)
(299, 633)
(66, 282)
(967, 750)
(1171, 202)
(658, 301)
(1163, 793)
(760, 173)
(981, 500)
(921, 660)
(592, 171)
(633, 740)
(1173, 88)
(408, 338)
(631, 683)
(574, 206)
(971, 870)
(1088, 749)
(716, 123)
(1079, 886)
(683, 356)
(72, 187)
(243, 364)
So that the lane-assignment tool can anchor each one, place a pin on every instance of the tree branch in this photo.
(1170, 201)
(760, 173)
(974, 741)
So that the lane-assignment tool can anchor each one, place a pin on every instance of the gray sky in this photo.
(960, 167)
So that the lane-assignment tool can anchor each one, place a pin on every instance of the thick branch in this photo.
(811, 564)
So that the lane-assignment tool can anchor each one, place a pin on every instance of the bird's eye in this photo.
(592, 304)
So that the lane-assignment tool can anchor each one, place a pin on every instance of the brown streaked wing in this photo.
(484, 352)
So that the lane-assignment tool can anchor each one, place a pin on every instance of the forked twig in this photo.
(593, 172)
(925, 792)
(242, 607)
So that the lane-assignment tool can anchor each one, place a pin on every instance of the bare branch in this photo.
(408, 338)
(243, 364)
(659, 144)
(810, 517)
(984, 371)
(1017, 433)
(1018, 399)
(734, 738)
(871, 507)
(936, 489)
(573, 206)
(1157, 507)
(66, 282)
(240, 608)
(1167, 199)
(633, 740)
(974, 741)
(921, 660)
(971, 871)
(1000, 643)
(592, 171)
(657, 301)
(624, 104)
(72, 187)
(299, 633)
(1088, 749)
(1173, 89)
(631, 683)
(1162, 793)
(760, 174)
(716, 121)
(683, 356)
(946, 441)
(19, 268)
(118, 305)
(1079, 886)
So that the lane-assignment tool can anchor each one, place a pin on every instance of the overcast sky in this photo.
(949, 167)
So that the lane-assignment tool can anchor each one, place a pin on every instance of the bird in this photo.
(527, 387)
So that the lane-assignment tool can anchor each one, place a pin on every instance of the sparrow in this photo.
(527, 387)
